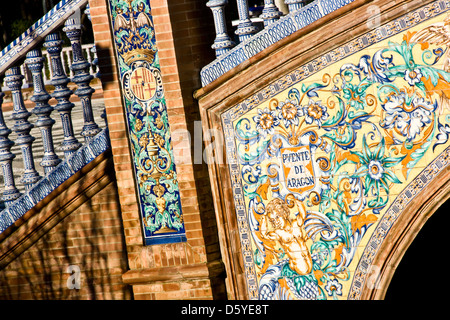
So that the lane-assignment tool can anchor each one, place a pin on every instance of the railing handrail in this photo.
(41, 28)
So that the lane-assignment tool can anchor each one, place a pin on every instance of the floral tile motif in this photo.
(149, 132)
(323, 160)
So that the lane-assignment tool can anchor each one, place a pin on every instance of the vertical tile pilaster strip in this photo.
(155, 175)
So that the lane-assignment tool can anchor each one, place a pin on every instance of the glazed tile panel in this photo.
(146, 112)
(323, 160)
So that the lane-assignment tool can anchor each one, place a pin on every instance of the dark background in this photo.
(422, 273)
(16, 16)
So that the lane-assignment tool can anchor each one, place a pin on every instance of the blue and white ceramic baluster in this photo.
(294, 5)
(222, 43)
(82, 78)
(35, 63)
(270, 13)
(53, 44)
(10, 192)
(87, 11)
(22, 127)
(245, 27)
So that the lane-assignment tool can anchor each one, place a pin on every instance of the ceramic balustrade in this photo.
(35, 63)
(82, 77)
(62, 93)
(48, 69)
(10, 193)
(22, 127)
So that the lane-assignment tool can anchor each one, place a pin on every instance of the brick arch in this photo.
(403, 232)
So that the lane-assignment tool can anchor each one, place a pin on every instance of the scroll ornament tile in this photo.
(320, 162)
(149, 132)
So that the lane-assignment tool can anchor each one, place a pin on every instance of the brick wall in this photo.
(90, 240)
(193, 33)
(184, 34)
(174, 271)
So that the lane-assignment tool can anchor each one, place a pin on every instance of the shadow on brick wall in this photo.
(81, 258)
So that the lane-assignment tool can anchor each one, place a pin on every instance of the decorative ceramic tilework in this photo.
(323, 160)
(148, 126)
(363, 269)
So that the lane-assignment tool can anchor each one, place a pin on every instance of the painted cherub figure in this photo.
(160, 201)
(161, 205)
(289, 233)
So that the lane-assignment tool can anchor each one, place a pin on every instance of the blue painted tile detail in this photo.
(5, 220)
(100, 143)
(40, 190)
(60, 174)
(81, 158)
(19, 207)
(165, 239)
